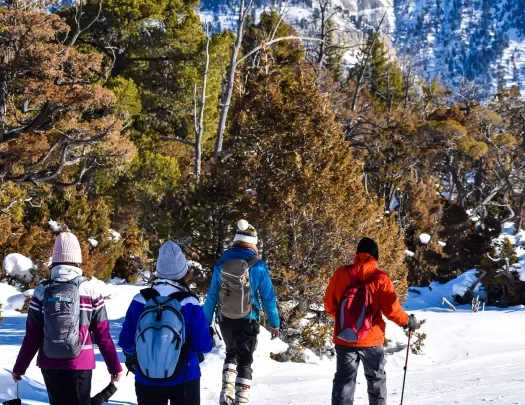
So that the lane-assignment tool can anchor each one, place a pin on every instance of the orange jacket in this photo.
(384, 302)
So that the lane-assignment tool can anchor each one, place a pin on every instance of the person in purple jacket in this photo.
(67, 377)
(183, 388)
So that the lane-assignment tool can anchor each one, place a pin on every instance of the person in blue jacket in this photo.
(240, 335)
(183, 389)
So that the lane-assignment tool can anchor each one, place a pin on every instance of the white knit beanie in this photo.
(67, 249)
(246, 233)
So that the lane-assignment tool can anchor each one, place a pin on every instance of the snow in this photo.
(409, 253)
(195, 265)
(18, 266)
(424, 238)
(467, 359)
(441, 243)
(144, 277)
(54, 225)
(107, 290)
(460, 352)
(16, 302)
(114, 235)
(93, 242)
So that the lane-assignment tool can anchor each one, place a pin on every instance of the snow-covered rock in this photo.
(424, 238)
(107, 290)
(114, 235)
(144, 277)
(19, 266)
(195, 265)
(16, 302)
(54, 225)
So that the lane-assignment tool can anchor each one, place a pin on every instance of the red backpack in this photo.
(355, 317)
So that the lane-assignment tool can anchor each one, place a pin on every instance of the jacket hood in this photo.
(66, 272)
(365, 265)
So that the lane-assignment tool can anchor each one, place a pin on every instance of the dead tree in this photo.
(235, 62)
(363, 67)
(228, 89)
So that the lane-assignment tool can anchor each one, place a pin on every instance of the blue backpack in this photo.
(160, 339)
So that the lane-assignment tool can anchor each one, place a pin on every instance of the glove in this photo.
(411, 324)
(212, 333)
(200, 356)
(274, 332)
(131, 362)
(16, 377)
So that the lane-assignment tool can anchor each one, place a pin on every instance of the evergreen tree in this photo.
(298, 182)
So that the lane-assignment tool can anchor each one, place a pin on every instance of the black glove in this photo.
(411, 324)
(131, 362)
(212, 333)
(200, 356)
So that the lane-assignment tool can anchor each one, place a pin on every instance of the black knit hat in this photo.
(367, 245)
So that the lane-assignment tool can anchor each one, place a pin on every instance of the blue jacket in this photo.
(197, 333)
(261, 285)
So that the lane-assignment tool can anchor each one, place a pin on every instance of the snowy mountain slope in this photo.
(469, 359)
(480, 40)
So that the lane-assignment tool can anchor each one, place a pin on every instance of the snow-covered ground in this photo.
(469, 358)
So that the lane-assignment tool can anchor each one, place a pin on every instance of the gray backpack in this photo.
(61, 310)
(235, 291)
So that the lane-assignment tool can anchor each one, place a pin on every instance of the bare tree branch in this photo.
(78, 20)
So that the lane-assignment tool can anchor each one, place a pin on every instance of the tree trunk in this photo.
(478, 181)
(364, 66)
(200, 125)
(320, 56)
(230, 80)
(521, 218)
(3, 104)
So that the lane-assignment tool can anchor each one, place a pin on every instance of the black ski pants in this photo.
(348, 359)
(182, 394)
(240, 338)
(68, 387)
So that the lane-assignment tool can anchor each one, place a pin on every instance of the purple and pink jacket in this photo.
(93, 322)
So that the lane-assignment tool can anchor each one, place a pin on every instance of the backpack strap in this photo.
(252, 261)
(149, 293)
(79, 280)
(181, 295)
(354, 281)
(376, 276)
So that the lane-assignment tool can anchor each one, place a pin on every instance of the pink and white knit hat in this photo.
(67, 249)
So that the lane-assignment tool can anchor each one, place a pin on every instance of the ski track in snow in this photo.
(469, 359)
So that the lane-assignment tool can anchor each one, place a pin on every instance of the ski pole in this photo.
(406, 366)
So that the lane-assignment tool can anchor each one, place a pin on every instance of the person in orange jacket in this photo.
(369, 350)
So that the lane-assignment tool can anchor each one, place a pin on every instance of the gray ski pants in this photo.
(348, 359)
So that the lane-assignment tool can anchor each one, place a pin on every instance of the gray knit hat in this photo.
(171, 264)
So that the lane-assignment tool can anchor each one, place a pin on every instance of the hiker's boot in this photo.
(242, 390)
(229, 374)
